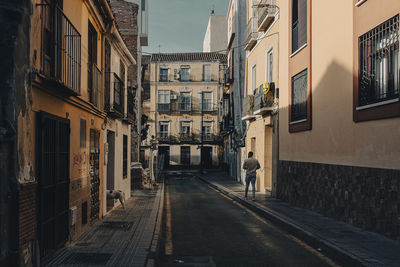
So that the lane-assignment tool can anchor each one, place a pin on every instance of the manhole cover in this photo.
(87, 258)
(126, 226)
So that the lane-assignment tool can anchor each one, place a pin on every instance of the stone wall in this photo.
(368, 198)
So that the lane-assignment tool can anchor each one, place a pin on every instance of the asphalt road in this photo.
(205, 228)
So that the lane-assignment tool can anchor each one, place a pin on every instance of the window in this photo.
(163, 130)
(185, 127)
(299, 97)
(185, 155)
(270, 66)
(254, 79)
(207, 72)
(206, 128)
(83, 133)
(185, 73)
(207, 101)
(92, 55)
(163, 74)
(122, 71)
(299, 24)
(125, 156)
(164, 100)
(185, 101)
(379, 64)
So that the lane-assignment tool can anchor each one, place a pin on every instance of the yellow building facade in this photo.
(262, 81)
(185, 89)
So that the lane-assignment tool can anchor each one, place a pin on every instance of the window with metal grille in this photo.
(125, 156)
(379, 63)
(185, 73)
(299, 97)
(207, 72)
(163, 74)
(207, 101)
(185, 127)
(163, 130)
(299, 24)
(185, 101)
(164, 100)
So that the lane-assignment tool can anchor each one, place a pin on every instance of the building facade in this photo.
(339, 110)
(185, 89)
(120, 117)
(214, 40)
(259, 106)
(231, 125)
(54, 114)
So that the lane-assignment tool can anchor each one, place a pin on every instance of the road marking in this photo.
(169, 248)
(289, 236)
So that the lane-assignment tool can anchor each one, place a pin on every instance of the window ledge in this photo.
(360, 2)
(299, 121)
(298, 50)
(378, 104)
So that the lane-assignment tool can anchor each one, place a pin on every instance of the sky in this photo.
(180, 25)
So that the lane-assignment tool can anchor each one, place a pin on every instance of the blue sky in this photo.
(180, 25)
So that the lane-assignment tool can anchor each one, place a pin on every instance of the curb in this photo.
(330, 250)
(155, 242)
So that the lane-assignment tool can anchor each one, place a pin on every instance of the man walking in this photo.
(251, 165)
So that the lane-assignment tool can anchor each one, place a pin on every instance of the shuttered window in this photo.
(299, 24)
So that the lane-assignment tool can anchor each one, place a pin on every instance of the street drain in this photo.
(120, 225)
(87, 258)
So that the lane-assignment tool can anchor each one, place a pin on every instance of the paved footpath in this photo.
(122, 238)
(342, 242)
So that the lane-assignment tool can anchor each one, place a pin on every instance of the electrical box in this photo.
(73, 215)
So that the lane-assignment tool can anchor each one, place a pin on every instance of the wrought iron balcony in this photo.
(248, 107)
(61, 51)
(163, 136)
(265, 15)
(251, 33)
(186, 137)
(164, 108)
(264, 98)
(210, 138)
(95, 87)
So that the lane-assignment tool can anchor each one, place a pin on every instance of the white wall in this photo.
(215, 37)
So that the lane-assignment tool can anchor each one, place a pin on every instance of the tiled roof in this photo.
(197, 56)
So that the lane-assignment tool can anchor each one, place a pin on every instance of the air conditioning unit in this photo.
(177, 76)
(174, 97)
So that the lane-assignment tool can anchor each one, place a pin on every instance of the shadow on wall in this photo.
(362, 196)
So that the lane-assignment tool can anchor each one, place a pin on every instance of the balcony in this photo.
(266, 15)
(251, 33)
(164, 108)
(264, 99)
(61, 52)
(248, 107)
(186, 138)
(164, 137)
(95, 86)
(210, 138)
(226, 124)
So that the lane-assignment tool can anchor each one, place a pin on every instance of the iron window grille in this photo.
(299, 97)
(379, 63)
(185, 73)
(163, 75)
(61, 55)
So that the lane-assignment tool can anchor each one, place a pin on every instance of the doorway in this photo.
(53, 177)
(206, 157)
(94, 167)
(163, 154)
(110, 167)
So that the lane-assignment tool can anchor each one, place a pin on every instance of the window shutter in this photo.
(302, 23)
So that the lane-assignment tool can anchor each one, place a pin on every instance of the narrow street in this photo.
(204, 228)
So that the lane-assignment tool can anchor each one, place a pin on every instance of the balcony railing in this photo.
(163, 136)
(265, 15)
(95, 86)
(186, 137)
(248, 107)
(264, 98)
(165, 107)
(251, 33)
(211, 138)
(61, 50)
(118, 103)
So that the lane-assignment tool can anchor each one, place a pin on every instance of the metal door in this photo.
(53, 177)
(94, 174)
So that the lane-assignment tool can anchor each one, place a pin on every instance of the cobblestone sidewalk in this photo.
(351, 245)
(122, 238)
